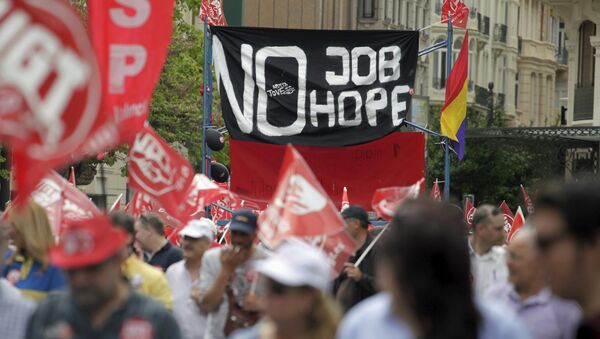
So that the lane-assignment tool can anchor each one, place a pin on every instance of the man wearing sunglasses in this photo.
(227, 277)
(567, 220)
(100, 303)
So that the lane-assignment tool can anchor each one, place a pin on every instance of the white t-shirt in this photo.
(191, 320)
(241, 283)
(488, 269)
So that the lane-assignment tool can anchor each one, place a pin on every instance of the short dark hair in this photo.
(154, 222)
(124, 221)
(579, 205)
(483, 213)
(427, 251)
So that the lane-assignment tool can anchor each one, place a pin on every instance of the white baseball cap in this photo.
(296, 263)
(197, 228)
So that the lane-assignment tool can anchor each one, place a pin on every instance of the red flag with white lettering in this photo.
(387, 200)
(212, 10)
(517, 224)
(469, 211)
(435, 193)
(509, 217)
(131, 39)
(50, 90)
(63, 202)
(159, 171)
(140, 203)
(527, 200)
(457, 10)
(301, 208)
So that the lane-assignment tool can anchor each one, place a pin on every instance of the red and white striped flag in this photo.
(117, 204)
(517, 224)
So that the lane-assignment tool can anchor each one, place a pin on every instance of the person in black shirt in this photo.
(158, 251)
(356, 283)
(100, 303)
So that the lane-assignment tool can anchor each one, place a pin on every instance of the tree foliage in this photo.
(492, 169)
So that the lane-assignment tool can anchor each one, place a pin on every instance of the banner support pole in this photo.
(207, 96)
(447, 140)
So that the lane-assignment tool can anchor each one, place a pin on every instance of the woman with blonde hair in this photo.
(293, 296)
(27, 267)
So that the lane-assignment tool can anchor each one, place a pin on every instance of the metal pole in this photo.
(207, 95)
(447, 140)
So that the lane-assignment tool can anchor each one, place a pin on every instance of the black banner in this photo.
(309, 87)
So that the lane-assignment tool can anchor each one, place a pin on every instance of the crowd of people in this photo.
(427, 276)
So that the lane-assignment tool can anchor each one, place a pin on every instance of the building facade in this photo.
(542, 77)
(580, 20)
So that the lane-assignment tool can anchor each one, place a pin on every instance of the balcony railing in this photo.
(500, 32)
(584, 103)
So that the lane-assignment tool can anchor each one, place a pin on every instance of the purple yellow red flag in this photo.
(453, 119)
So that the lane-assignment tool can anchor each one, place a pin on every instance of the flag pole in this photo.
(447, 140)
(207, 95)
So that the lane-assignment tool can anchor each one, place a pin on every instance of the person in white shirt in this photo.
(488, 257)
(184, 278)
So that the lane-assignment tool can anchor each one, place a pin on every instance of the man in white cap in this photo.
(184, 277)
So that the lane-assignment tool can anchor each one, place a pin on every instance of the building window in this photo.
(586, 69)
(504, 70)
(472, 63)
(534, 97)
(439, 67)
(368, 9)
(456, 49)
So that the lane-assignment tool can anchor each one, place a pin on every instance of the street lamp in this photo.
(490, 117)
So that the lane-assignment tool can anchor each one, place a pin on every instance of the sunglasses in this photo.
(544, 243)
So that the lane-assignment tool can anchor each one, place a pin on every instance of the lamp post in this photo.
(490, 117)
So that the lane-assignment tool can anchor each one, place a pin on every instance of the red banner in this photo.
(50, 90)
(387, 200)
(395, 160)
(161, 172)
(469, 212)
(300, 208)
(131, 39)
(527, 200)
(63, 202)
(508, 216)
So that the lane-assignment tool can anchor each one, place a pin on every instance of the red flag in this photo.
(130, 39)
(386, 200)
(345, 201)
(457, 10)
(159, 171)
(527, 200)
(517, 224)
(72, 176)
(301, 208)
(469, 211)
(140, 203)
(50, 90)
(117, 204)
(509, 217)
(212, 10)
(435, 192)
(63, 202)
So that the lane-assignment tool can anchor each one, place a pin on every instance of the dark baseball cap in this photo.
(356, 212)
(243, 221)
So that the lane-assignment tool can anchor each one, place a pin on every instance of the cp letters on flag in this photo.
(307, 88)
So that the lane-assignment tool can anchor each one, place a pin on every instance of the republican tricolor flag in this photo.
(454, 113)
